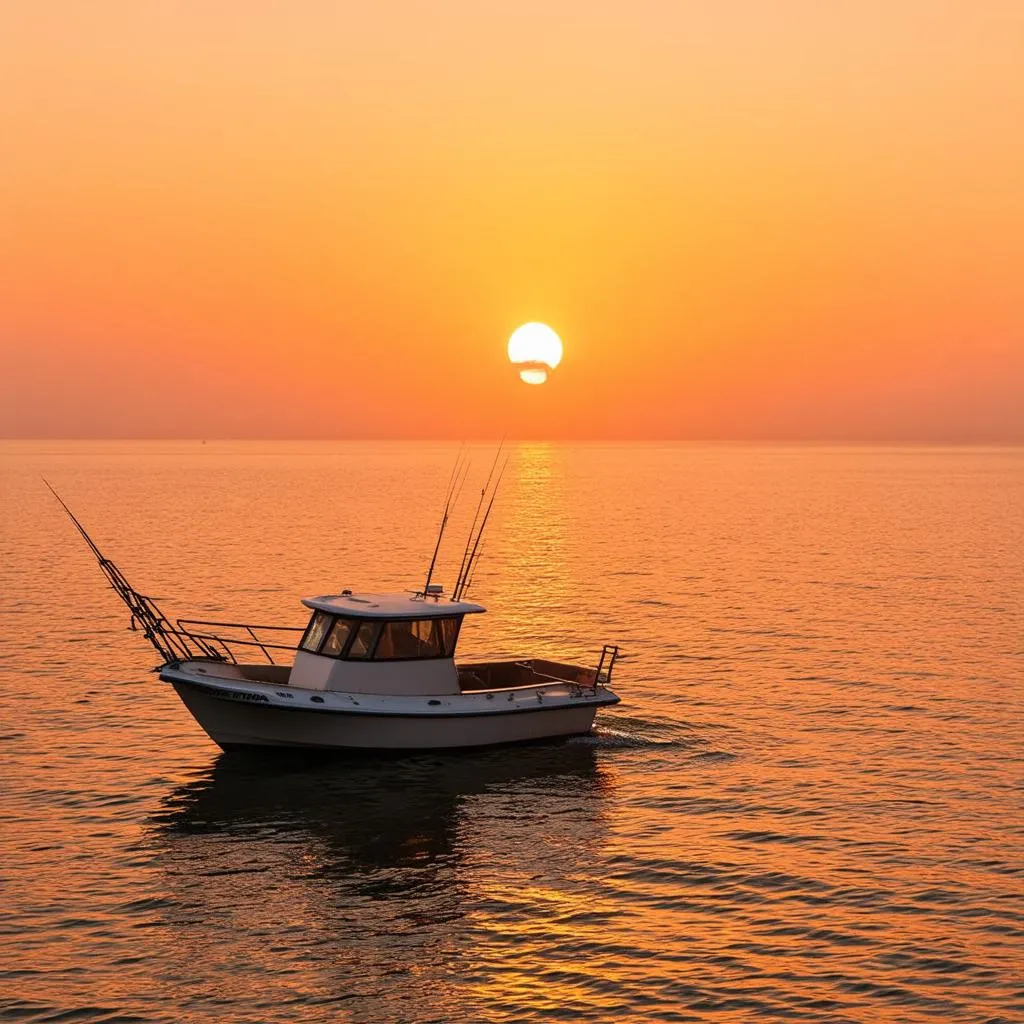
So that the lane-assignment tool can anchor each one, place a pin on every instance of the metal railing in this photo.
(221, 646)
(603, 675)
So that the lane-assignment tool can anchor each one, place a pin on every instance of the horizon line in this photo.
(822, 442)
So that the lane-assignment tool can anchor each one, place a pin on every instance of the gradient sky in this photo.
(746, 219)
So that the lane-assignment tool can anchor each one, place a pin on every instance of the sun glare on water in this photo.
(534, 350)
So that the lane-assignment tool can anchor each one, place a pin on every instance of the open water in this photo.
(808, 806)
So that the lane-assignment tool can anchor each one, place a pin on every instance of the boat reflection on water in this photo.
(408, 862)
(377, 812)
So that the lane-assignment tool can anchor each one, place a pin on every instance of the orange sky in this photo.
(746, 219)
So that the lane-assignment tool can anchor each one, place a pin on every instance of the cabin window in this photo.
(416, 638)
(408, 638)
(337, 638)
(362, 642)
(315, 631)
(362, 639)
(449, 630)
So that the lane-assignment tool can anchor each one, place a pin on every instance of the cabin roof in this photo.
(390, 606)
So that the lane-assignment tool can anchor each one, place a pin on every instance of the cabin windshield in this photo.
(315, 631)
(362, 641)
(353, 639)
(338, 637)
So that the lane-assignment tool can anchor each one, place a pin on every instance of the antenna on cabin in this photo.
(464, 576)
(455, 482)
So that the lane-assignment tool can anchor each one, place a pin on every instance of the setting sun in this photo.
(535, 350)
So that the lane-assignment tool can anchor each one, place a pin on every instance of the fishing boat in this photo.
(368, 671)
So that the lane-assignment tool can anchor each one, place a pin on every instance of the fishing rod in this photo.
(455, 485)
(479, 535)
(476, 515)
(472, 575)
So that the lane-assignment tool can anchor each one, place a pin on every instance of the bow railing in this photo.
(246, 635)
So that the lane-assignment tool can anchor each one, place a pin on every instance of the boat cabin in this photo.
(381, 643)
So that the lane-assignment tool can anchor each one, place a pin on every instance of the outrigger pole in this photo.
(156, 628)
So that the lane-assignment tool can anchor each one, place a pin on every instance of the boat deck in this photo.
(509, 675)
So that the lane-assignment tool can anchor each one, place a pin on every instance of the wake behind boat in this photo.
(369, 671)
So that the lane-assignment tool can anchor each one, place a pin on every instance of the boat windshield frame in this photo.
(439, 633)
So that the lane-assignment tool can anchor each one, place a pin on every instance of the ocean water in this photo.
(808, 806)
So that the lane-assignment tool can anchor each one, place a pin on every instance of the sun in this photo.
(535, 350)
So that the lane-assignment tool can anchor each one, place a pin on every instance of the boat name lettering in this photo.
(253, 698)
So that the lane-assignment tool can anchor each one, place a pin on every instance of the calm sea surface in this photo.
(808, 806)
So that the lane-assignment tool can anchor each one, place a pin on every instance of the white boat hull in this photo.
(236, 719)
